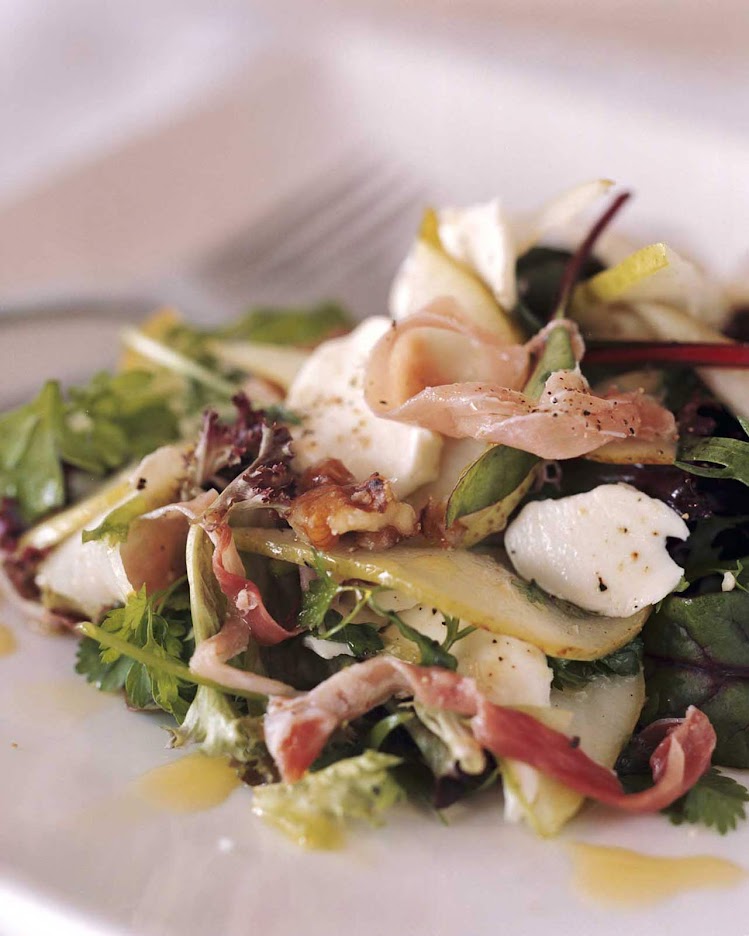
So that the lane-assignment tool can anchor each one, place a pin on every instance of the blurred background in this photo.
(144, 141)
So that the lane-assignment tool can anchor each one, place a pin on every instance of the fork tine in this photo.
(315, 244)
(328, 231)
(259, 242)
(369, 239)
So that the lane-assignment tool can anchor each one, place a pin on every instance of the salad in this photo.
(492, 540)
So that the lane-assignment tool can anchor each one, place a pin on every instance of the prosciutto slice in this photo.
(483, 400)
(210, 661)
(296, 731)
(247, 619)
(245, 600)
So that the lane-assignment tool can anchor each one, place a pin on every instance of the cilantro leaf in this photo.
(715, 801)
(149, 623)
(107, 677)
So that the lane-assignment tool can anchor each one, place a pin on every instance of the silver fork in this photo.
(341, 237)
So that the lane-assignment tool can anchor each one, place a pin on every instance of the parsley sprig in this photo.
(158, 625)
(715, 801)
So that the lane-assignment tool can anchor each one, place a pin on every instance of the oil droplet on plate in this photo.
(191, 784)
(618, 876)
(7, 641)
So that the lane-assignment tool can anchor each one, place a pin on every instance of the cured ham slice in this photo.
(484, 401)
(211, 656)
(296, 731)
(246, 603)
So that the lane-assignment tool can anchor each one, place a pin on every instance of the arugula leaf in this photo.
(99, 428)
(30, 460)
(715, 801)
(312, 812)
(431, 652)
(575, 674)
(149, 623)
(288, 326)
(730, 458)
(116, 524)
(697, 653)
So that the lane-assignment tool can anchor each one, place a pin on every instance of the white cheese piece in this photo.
(90, 577)
(604, 550)
(327, 649)
(480, 236)
(507, 670)
(87, 577)
(328, 394)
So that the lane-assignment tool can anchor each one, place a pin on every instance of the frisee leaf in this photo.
(312, 812)
(715, 801)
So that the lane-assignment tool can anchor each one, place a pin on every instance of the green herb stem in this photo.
(172, 667)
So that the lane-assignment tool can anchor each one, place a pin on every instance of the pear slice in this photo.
(475, 587)
(428, 273)
(603, 715)
(277, 363)
(61, 525)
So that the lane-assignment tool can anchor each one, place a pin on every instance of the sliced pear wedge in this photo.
(429, 273)
(603, 715)
(55, 529)
(277, 363)
(475, 587)
(625, 278)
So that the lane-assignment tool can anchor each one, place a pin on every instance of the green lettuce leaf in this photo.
(30, 453)
(313, 811)
(697, 653)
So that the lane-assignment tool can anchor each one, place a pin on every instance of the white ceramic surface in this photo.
(78, 855)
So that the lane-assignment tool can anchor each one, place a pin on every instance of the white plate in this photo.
(79, 855)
